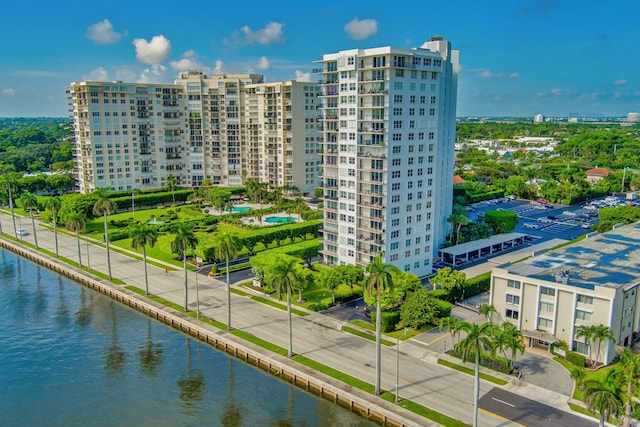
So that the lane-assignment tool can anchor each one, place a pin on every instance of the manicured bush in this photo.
(388, 320)
(477, 285)
(440, 294)
(118, 235)
(444, 307)
(576, 359)
(507, 219)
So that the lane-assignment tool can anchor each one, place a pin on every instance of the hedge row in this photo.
(388, 320)
(153, 198)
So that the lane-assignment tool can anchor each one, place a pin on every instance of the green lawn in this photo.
(598, 375)
(471, 371)
(395, 334)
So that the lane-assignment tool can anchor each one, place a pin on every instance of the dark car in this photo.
(553, 218)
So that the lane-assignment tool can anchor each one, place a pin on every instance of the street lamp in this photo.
(198, 260)
(398, 363)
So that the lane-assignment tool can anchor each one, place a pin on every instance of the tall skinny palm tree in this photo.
(30, 203)
(378, 279)
(478, 339)
(487, 310)
(76, 223)
(53, 204)
(226, 246)
(286, 274)
(171, 183)
(604, 396)
(8, 184)
(602, 333)
(141, 236)
(586, 332)
(185, 239)
(104, 206)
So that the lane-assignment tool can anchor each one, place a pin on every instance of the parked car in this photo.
(531, 225)
(545, 220)
(553, 218)
(586, 226)
(590, 208)
(569, 214)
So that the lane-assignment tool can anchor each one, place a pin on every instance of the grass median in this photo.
(470, 371)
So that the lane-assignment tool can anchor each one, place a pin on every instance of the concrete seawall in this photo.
(356, 400)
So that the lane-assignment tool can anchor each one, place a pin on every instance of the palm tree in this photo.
(629, 377)
(509, 338)
(284, 273)
(30, 203)
(453, 324)
(141, 236)
(477, 340)
(605, 396)
(8, 184)
(171, 183)
(53, 204)
(104, 206)
(219, 204)
(602, 333)
(586, 332)
(579, 374)
(487, 310)
(378, 279)
(76, 223)
(299, 207)
(185, 239)
(226, 246)
(257, 214)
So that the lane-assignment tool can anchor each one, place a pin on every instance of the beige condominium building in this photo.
(591, 282)
(388, 153)
(224, 128)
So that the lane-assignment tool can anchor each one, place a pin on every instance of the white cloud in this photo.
(620, 82)
(554, 92)
(360, 30)
(9, 91)
(153, 52)
(102, 33)
(218, 67)
(303, 77)
(488, 74)
(263, 63)
(270, 34)
(188, 62)
(99, 74)
(155, 74)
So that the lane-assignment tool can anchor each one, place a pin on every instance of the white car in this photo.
(531, 225)
(22, 232)
(569, 214)
(545, 220)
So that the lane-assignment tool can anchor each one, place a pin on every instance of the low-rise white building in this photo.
(592, 282)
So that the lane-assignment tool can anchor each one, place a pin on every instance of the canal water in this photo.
(70, 356)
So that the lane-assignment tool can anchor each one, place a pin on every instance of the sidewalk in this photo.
(315, 336)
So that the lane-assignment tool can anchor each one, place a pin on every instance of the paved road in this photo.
(527, 412)
(316, 336)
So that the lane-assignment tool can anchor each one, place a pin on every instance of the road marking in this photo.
(500, 417)
(502, 401)
(440, 338)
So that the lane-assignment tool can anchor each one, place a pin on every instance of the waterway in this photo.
(70, 356)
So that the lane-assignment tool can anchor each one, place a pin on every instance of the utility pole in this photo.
(624, 173)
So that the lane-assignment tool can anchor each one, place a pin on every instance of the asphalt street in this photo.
(527, 412)
(316, 336)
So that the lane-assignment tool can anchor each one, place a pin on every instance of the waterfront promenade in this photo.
(315, 336)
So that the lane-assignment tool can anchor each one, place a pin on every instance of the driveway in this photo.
(544, 372)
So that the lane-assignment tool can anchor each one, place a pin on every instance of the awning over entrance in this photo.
(540, 336)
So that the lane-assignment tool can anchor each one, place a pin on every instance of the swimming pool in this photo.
(241, 209)
(279, 220)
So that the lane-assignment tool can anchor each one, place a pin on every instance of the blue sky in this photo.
(518, 57)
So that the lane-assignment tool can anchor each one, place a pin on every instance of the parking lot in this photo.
(543, 221)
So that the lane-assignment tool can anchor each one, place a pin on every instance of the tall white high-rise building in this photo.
(388, 153)
(224, 128)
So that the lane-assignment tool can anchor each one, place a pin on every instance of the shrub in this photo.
(477, 285)
(507, 219)
(440, 294)
(388, 320)
(444, 307)
(576, 359)
(118, 235)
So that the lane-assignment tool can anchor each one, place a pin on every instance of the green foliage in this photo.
(443, 307)
(419, 309)
(477, 285)
(503, 221)
(388, 320)
(617, 215)
(116, 235)
(576, 359)
(152, 198)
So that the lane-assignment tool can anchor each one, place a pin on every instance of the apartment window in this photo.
(397, 124)
(395, 234)
(397, 98)
(551, 292)
(412, 99)
(395, 186)
(433, 99)
(395, 198)
(395, 210)
(395, 162)
(395, 222)
(396, 148)
(396, 137)
(395, 174)
(546, 307)
(394, 246)
(398, 85)
(412, 111)
(412, 123)
(407, 243)
(397, 111)
(512, 314)
(394, 257)
(545, 323)
(399, 72)
(422, 111)
(584, 299)
(432, 111)
(513, 299)
(583, 315)
(581, 347)
(513, 284)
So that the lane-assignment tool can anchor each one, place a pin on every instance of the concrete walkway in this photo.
(315, 336)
